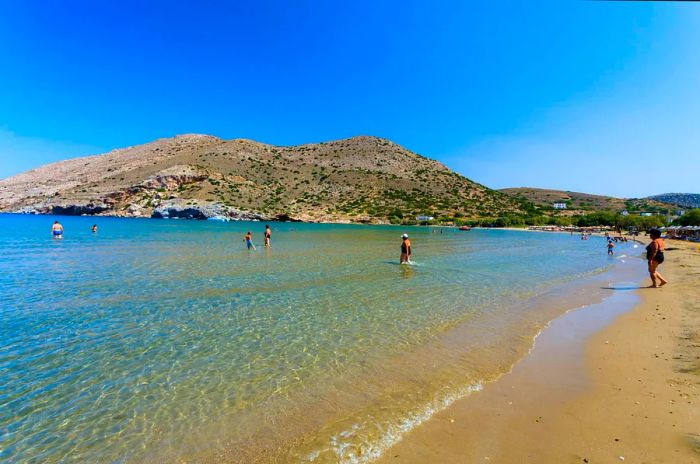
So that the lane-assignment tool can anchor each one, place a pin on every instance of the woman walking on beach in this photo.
(655, 256)
(57, 230)
(405, 250)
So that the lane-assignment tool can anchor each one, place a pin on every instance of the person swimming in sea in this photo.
(249, 241)
(94, 228)
(268, 232)
(405, 250)
(57, 230)
(655, 256)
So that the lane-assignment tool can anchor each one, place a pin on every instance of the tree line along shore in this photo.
(595, 219)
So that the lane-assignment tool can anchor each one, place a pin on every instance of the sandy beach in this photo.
(601, 385)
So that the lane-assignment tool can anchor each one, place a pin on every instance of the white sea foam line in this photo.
(394, 431)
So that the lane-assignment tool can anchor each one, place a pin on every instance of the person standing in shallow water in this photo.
(611, 245)
(405, 250)
(268, 232)
(57, 230)
(655, 256)
(249, 240)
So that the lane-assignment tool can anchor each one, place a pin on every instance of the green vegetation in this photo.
(595, 219)
(691, 218)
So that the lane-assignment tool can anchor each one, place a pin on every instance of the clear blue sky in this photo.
(602, 97)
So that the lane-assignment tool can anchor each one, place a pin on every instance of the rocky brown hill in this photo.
(359, 179)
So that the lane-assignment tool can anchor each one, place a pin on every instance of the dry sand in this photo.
(601, 386)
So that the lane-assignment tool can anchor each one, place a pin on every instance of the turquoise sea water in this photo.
(165, 340)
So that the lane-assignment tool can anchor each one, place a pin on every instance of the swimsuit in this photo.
(58, 232)
(659, 257)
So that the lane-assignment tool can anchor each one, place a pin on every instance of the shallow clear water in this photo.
(163, 340)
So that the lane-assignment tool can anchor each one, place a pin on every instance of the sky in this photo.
(592, 96)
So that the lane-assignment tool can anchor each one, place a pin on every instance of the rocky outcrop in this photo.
(284, 217)
(89, 209)
(178, 209)
(170, 179)
(178, 213)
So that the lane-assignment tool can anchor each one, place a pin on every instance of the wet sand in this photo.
(602, 385)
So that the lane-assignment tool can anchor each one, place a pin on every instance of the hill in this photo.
(685, 200)
(361, 179)
(581, 203)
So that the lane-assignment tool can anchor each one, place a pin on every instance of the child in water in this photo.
(249, 240)
(611, 245)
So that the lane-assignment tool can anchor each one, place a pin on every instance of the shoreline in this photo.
(336, 444)
(625, 389)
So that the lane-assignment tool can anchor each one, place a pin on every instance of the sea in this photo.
(170, 341)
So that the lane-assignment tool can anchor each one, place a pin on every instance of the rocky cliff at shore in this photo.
(361, 179)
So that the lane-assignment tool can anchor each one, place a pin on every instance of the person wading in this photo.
(249, 240)
(57, 230)
(268, 232)
(405, 250)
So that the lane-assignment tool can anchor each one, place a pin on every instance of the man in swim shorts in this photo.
(405, 250)
(57, 230)
(611, 245)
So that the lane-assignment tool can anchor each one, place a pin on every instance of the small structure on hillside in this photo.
(424, 218)
(559, 205)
